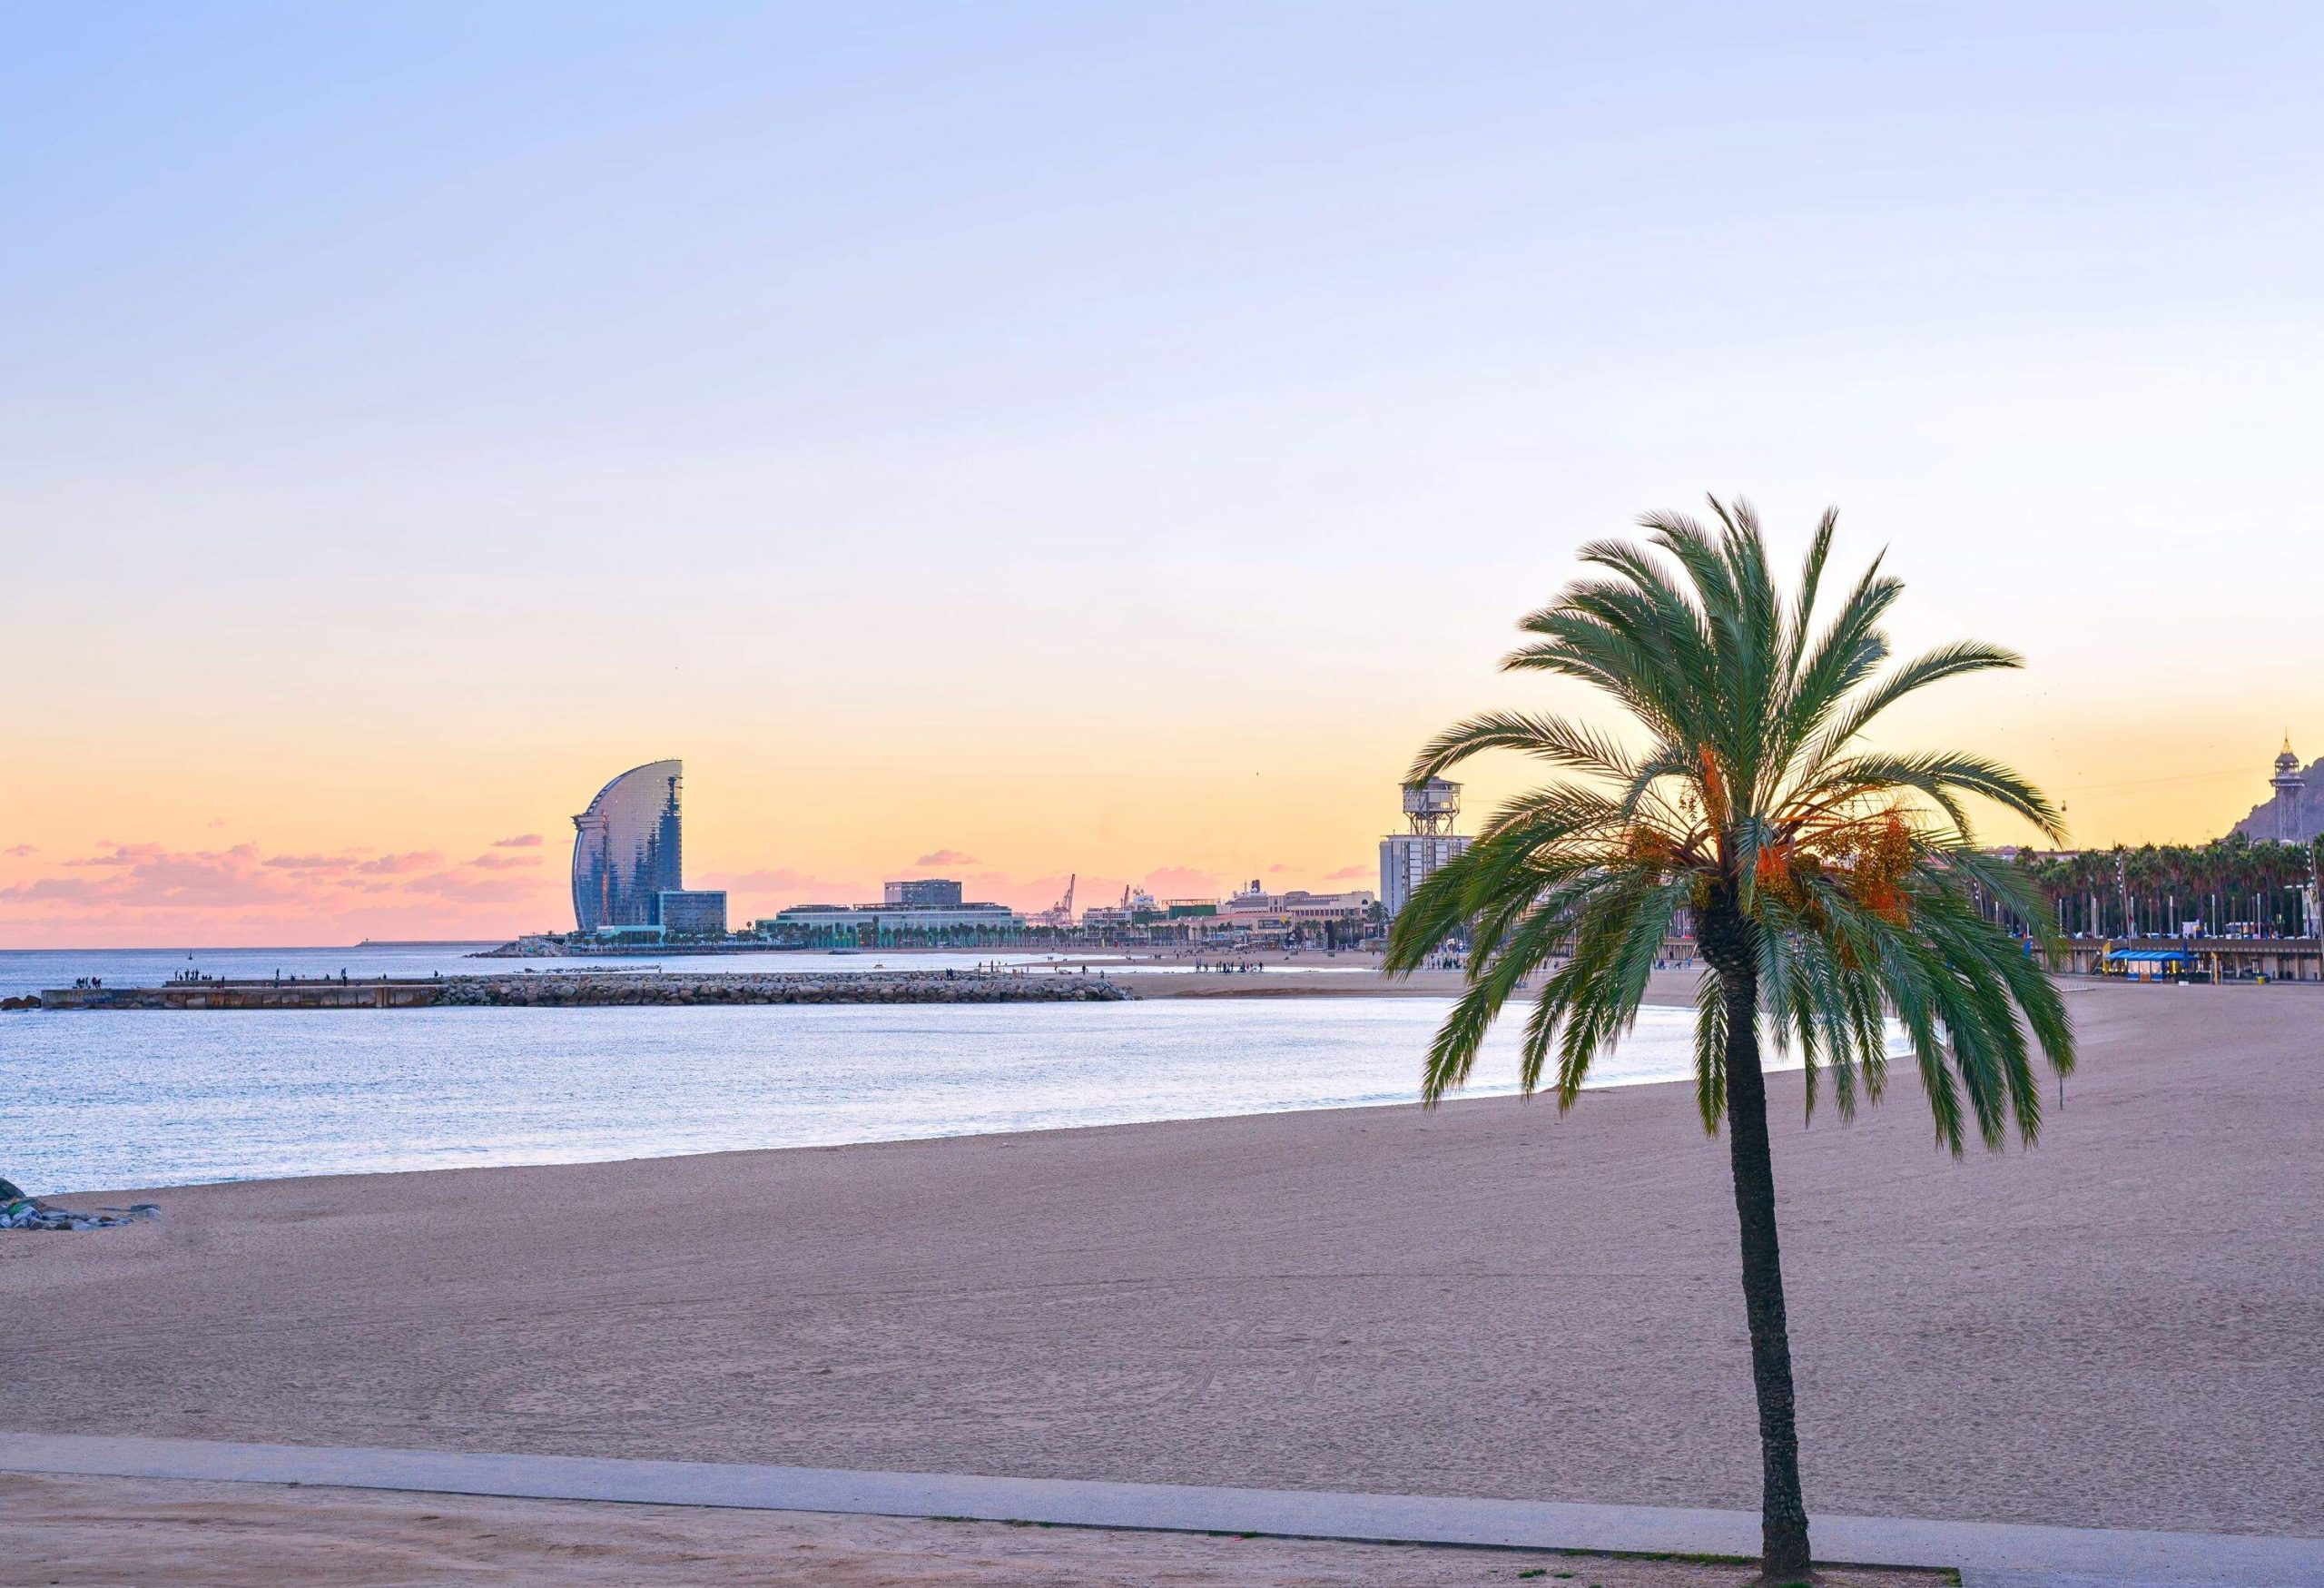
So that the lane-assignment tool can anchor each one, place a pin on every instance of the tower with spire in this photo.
(2289, 785)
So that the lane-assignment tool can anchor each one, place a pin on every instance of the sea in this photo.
(92, 1101)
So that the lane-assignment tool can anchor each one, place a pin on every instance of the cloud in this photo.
(390, 865)
(522, 841)
(313, 862)
(355, 862)
(217, 821)
(1277, 869)
(472, 890)
(777, 879)
(147, 873)
(1349, 873)
(18, 851)
(129, 892)
(946, 857)
(122, 854)
(1179, 881)
(53, 889)
(501, 862)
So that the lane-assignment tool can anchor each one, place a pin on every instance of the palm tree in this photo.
(1830, 884)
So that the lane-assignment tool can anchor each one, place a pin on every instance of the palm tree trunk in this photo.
(1783, 1511)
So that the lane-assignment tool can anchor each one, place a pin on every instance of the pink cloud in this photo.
(46, 890)
(522, 841)
(128, 892)
(472, 890)
(946, 857)
(146, 873)
(777, 879)
(390, 865)
(490, 861)
(122, 854)
(1350, 873)
(1179, 881)
(313, 863)
(353, 861)
(18, 851)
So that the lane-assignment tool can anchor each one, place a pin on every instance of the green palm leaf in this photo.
(1833, 888)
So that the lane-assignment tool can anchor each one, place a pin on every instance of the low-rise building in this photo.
(1254, 908)
(841, 925)
(691, 911)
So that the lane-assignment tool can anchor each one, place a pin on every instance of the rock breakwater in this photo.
(575, 991)
(582, 989)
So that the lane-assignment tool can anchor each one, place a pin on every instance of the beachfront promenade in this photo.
(2122, 1329)
(1987, 1554)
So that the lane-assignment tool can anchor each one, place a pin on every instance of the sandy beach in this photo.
(2124, 1328)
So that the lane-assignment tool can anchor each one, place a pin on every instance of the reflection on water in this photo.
(159, 1097)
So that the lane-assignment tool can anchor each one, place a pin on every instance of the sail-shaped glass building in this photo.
(625, 847)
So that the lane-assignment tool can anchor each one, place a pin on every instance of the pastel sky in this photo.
(1015, 441)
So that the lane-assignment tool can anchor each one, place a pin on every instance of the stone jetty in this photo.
(577, 990)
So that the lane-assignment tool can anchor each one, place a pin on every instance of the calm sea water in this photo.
(95, 1101)
(23, 971)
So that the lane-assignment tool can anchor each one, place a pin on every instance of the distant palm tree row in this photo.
(2158, 889)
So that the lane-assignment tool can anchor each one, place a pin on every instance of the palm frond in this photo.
(1850, 871)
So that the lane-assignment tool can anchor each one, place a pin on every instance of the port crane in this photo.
(1060, 913)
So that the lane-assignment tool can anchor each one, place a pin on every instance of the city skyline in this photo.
(1088, 442)
(123, 894)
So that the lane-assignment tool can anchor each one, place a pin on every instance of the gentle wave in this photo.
(147, 1098)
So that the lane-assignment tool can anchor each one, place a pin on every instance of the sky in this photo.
(1017, 441)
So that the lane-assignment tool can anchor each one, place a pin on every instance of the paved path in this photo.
(1990, 1555)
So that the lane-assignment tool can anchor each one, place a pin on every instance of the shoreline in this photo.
(2114, 1329)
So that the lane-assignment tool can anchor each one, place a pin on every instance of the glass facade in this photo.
(696, 913)
(625, 848)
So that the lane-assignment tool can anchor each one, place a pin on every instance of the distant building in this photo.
(926, 893)
(1137, 908)
(873, 924)
(1410, 858)
(626, 848)
(2294, 812)
(1255, 909)
(691, 911)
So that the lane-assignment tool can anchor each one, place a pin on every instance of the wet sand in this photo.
(2124, 1328)
(91, 1531)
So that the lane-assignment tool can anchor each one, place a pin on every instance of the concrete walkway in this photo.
(1989, 1554)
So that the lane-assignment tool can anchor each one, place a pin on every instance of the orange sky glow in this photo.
(1036, 441)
